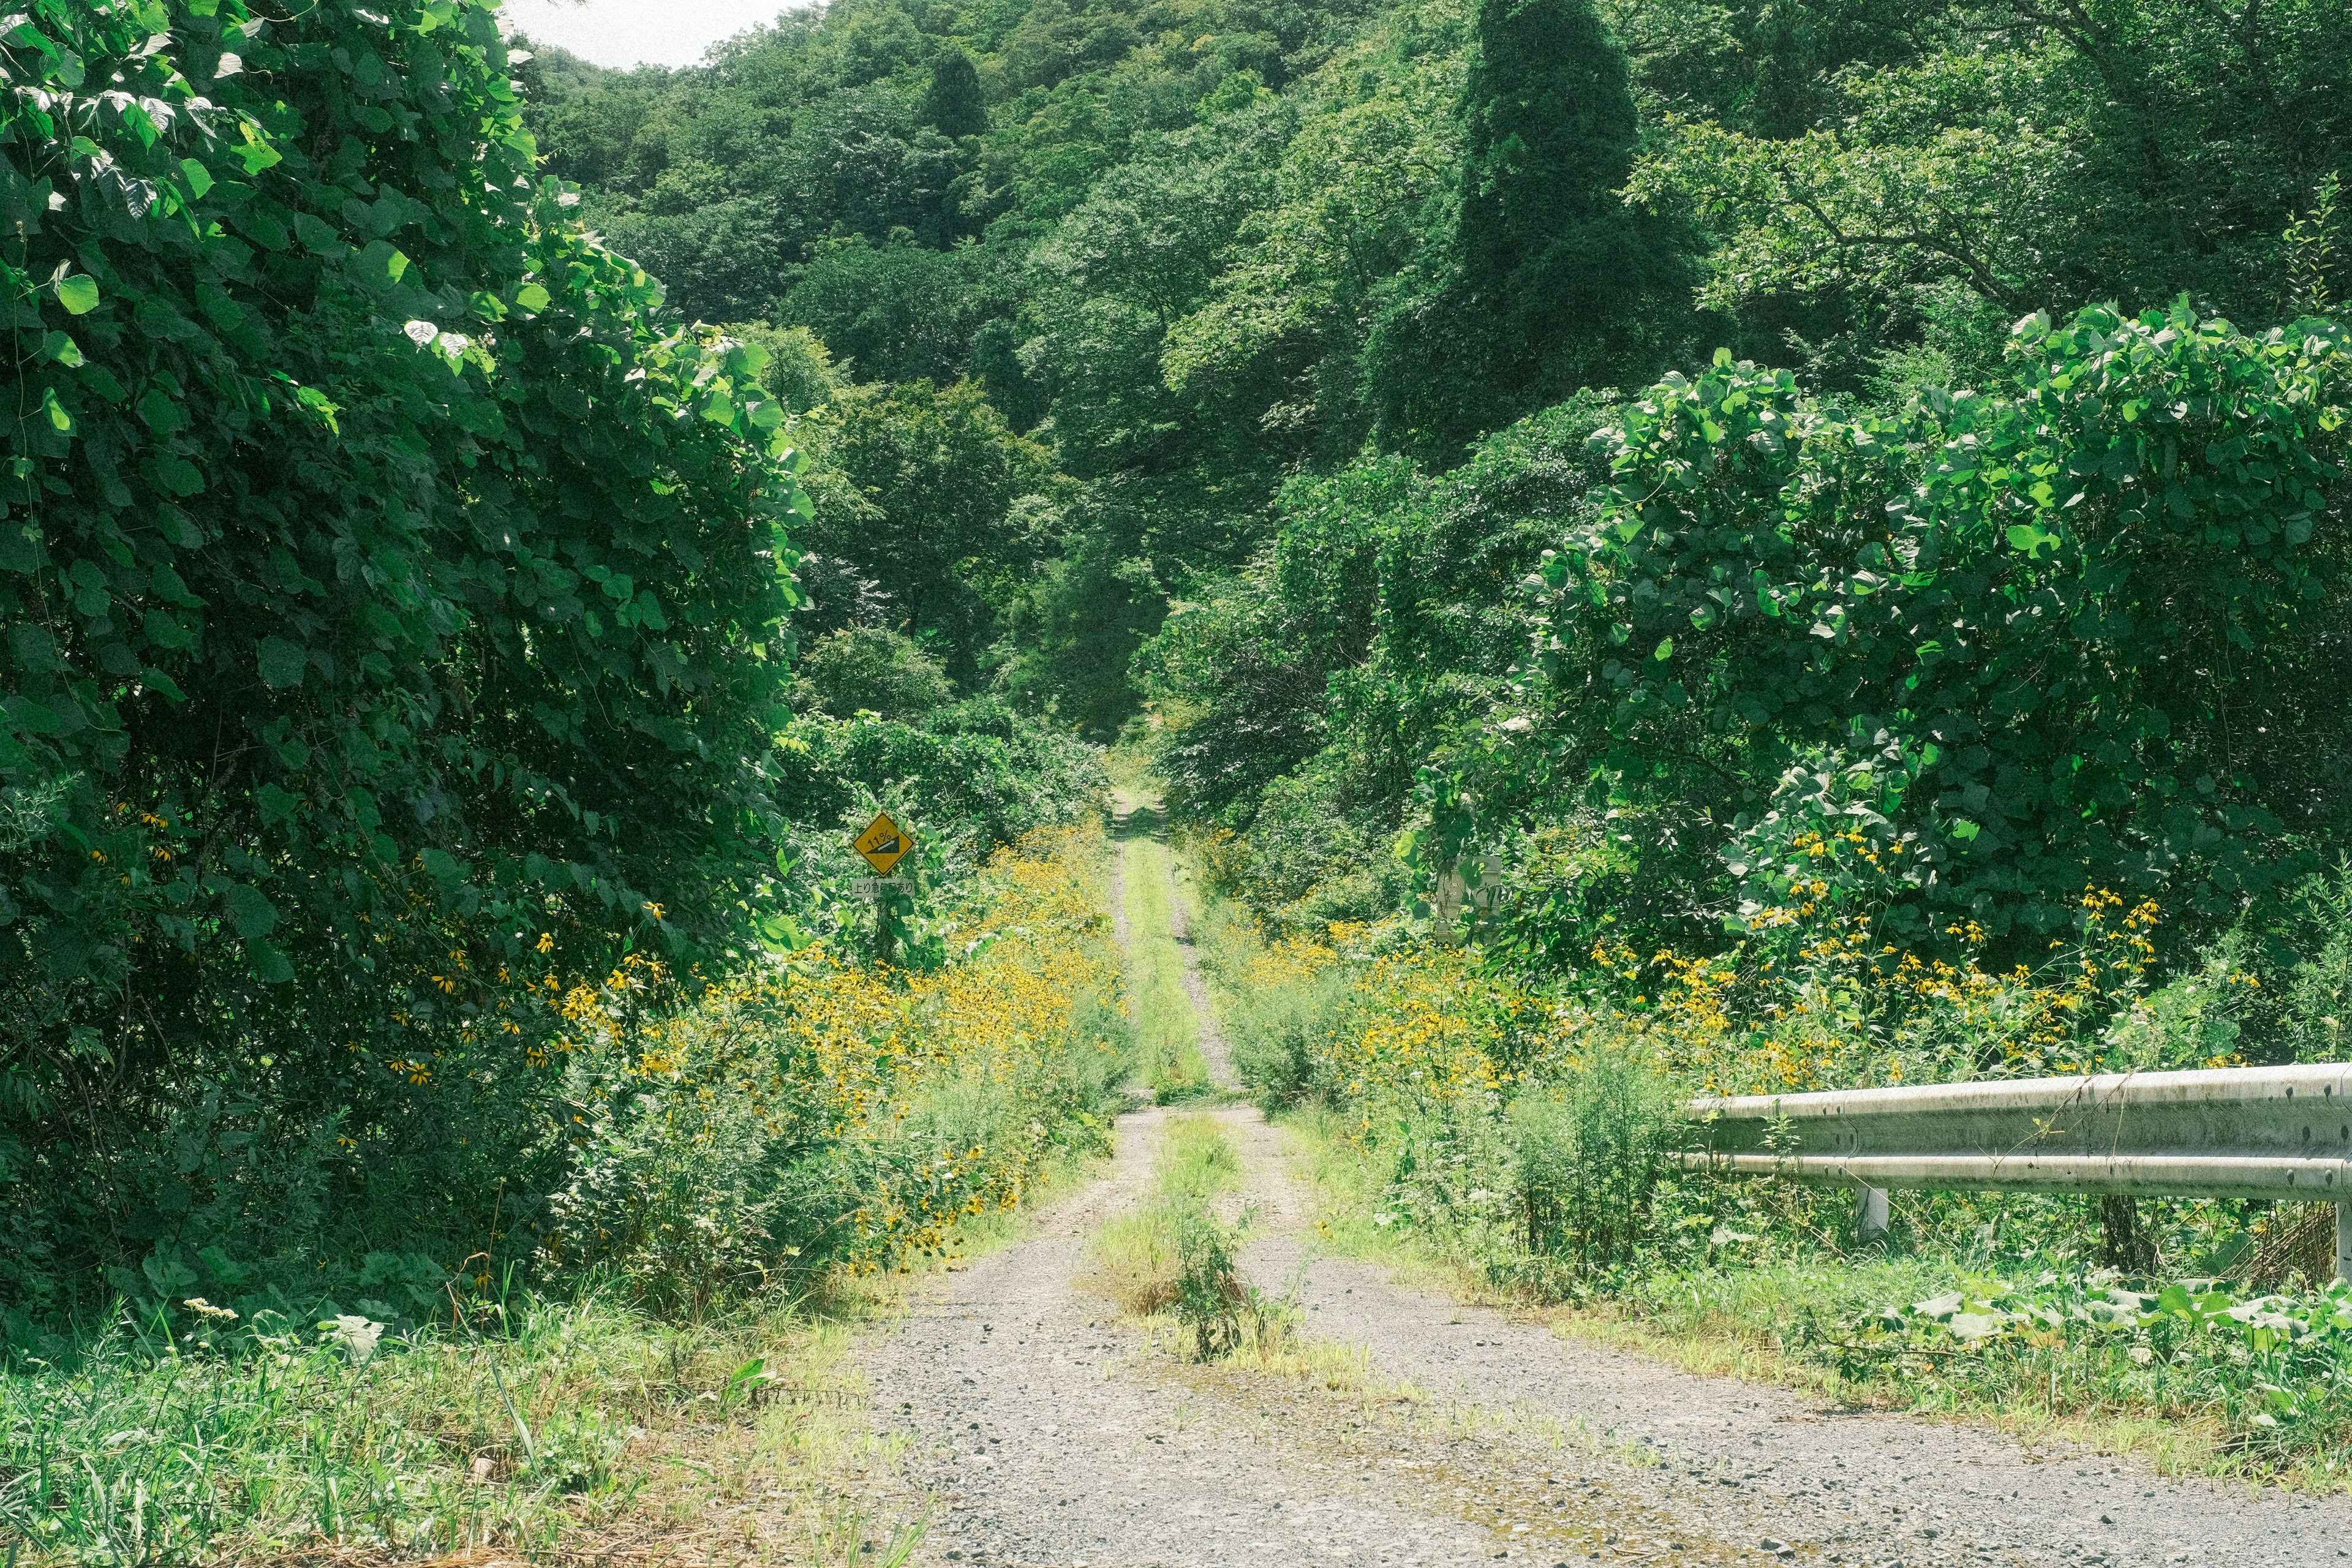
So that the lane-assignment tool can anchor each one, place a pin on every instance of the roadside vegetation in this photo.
(1168, 1034)
(752, 1162)
(1651, 548)
(452, 1092)
(526, 1427)
(1513, 1142)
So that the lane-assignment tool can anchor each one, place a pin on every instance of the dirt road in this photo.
(1047, 1433)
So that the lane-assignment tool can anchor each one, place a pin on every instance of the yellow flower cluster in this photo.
(827, 1052)
(1815, 999)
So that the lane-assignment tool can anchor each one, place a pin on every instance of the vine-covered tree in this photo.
(393, 601)
(1546, 281)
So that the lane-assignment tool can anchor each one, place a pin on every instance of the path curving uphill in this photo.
(1046, 1434)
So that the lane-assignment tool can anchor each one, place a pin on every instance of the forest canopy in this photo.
(1986, 488)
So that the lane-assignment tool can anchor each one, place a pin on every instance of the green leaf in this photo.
(531, 296)
(178, 475)
(2031, 539)
(318, 402)
(382, 264)
(1966, 831)
(277, 805)
(78, 294)
(161, 412)
(1665, 649)
(256, 155)
(269, 964)
(281, 663)
(252, 913)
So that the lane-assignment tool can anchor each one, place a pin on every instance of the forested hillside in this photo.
(1273, 380)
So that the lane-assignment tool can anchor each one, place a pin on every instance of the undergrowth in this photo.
(749, 1161)
(1166, 1035)
(515, 1428)
(1515, 1144)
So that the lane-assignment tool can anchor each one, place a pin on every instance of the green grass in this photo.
(2188, 1399)
(1137, 1258)
(1167, 1033)
(567, 1417)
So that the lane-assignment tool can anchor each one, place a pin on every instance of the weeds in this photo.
(781, 1133)
(1168, 1039)
(415, 1447)
(1174, 1256)
(1516, 1143)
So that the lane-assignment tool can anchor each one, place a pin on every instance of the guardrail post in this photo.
(2344, 1241)
(1870, 1217)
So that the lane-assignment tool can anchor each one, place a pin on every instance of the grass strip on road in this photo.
(1167, 1030)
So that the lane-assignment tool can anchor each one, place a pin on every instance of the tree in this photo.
(2036, 157)
(394, 598)
(952, 509)
(952, 104)
(1546, 281)
(2087, 634)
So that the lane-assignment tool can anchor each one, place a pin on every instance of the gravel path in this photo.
(1213, 1050)
(1049, 1437)
(1047, 1433)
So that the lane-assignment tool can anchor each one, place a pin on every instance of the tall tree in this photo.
(1545, 281)
(953, 104)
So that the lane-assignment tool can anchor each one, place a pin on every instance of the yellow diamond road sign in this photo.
(882, 843)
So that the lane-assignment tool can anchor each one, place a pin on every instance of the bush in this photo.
(1175, 1255)
(869, 670)
(972, 776)
(1590, 1149)
(819, 1114)
(1282, 1006)
(1211, 1298)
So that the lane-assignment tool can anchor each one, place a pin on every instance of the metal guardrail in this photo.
(2282, 1132)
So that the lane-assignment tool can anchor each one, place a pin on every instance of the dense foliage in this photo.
(376, 547)
(1195, 250)
(400, 604)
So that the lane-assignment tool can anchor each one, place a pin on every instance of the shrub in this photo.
(1283, 1006)
(1210, 1298)
(817, 1113)
(1590, 1149)
(1174, 1253)
(869, 670)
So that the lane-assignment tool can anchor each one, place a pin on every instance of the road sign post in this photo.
(884, 843)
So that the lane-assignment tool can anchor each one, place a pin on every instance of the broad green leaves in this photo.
(2063, 635)
(337, 671)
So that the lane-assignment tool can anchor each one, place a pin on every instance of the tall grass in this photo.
(1167, 1033)
(444, 1440)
